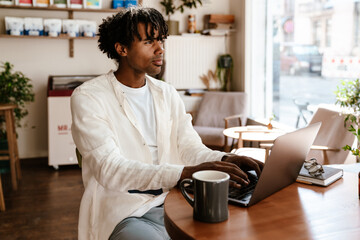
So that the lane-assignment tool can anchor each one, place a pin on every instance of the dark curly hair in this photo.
(122, 28)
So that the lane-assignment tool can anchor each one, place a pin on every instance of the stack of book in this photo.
(329, 176)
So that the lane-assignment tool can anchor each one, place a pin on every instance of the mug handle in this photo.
(189, 199)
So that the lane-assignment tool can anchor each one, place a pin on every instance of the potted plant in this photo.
(224, 71)
(170, 9)
(348, 95)
(270, 125)
(15, 88)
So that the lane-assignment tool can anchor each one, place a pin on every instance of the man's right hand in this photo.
(239, 177)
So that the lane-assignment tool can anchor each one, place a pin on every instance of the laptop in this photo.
(281, 168)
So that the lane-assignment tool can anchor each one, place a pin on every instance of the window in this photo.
(328, 32)
(317, 33)
(298, 52)
(357, 24)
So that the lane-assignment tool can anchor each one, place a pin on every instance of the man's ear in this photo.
(120, 49)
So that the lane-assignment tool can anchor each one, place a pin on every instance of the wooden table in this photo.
(253, 134)
(298, 211)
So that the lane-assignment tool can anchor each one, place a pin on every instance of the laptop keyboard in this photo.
(240, 193)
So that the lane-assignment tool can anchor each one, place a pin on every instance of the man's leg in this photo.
(149, 226)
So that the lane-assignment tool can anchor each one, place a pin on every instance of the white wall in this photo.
(39, 58)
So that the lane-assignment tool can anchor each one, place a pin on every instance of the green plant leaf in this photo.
(347, 147)
(170, 6)
(348, 96)
(15, 88)
(351, 128)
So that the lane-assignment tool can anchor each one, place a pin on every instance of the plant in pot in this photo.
(170, 9)
(15, 88)
(348, 96)
(224, 69)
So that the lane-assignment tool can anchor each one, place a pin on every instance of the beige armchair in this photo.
(217, 111)
(332, 136)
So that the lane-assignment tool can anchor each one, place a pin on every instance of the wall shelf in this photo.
(70, 16)
(61, 36)
(53, 8)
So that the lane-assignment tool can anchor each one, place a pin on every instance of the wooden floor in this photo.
(46, 205)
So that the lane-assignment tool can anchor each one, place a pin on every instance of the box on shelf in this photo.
(218, 24)
(75, 3)
(33, 26)
(7, 2)
(24, 2)
(14, 26)
(60, 3)
(87, 28)
(118, 4)
(52, 27)
(70, 27)
(92, 4)
(130, 3)
(41, 3)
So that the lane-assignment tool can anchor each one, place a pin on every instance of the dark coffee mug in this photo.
(210, 202)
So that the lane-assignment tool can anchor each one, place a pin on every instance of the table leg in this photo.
(240, 142)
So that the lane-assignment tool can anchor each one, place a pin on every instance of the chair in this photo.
(12, 152)
(332, 136)
(78, 157)
(217, 111)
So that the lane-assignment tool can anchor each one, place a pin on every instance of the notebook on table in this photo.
(329, 176)
(281, 168)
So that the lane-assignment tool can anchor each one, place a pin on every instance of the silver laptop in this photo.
(282, 166)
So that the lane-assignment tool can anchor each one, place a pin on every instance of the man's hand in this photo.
(234, 165)
(245, 163)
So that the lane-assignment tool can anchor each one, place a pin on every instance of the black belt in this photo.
(152, 192)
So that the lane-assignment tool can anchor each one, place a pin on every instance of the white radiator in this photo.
(189, 57)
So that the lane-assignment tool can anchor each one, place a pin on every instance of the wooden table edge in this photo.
(174, 230)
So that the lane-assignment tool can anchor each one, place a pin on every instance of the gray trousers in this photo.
(149, 226)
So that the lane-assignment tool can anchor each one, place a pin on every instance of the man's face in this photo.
(145, 56)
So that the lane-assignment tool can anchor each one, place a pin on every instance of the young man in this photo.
(135, 137)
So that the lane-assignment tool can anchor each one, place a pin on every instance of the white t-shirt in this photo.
(142, 104)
